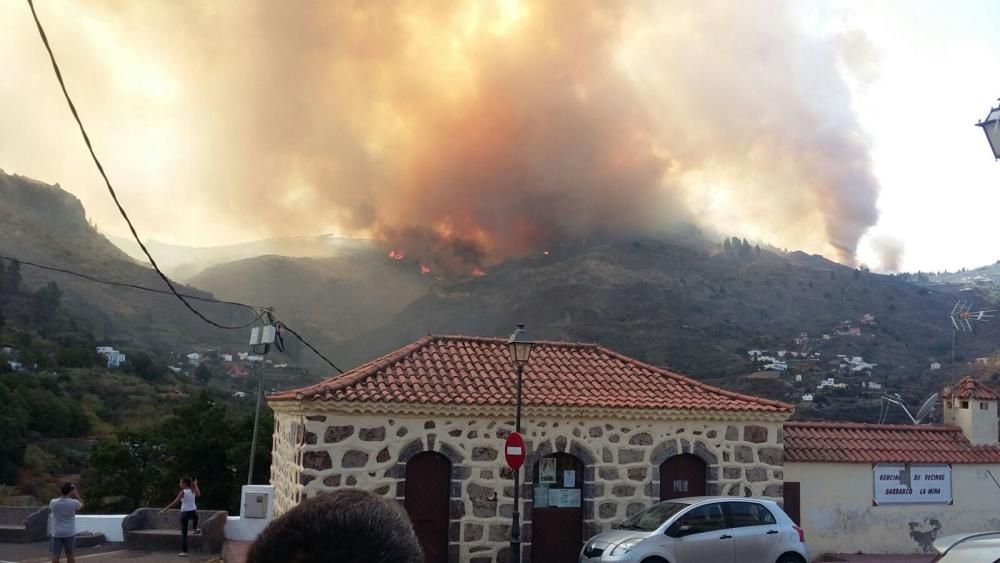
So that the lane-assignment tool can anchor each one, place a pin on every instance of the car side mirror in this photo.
(679, 531)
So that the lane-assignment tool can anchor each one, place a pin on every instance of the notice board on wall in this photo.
(898, 483)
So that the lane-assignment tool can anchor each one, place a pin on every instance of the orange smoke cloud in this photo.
(466, 132)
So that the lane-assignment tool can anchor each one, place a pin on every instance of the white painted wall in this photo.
(244, 529)
(838, 515)
(108, 524)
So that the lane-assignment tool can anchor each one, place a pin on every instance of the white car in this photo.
(701, 530)
(980, 547)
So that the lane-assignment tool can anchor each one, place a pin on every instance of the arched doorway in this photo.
(682, 475)
(427, 496)
(557, 510)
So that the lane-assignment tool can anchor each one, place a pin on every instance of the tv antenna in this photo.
(962, 316)
(895, 399)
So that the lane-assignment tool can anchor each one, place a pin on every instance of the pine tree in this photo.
(727, 245)
(10, 281)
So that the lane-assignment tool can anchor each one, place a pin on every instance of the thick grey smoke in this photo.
(466, 132)
(889, 251)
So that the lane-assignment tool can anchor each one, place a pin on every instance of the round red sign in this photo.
(514, 450)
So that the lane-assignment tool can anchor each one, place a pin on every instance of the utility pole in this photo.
(261, 338)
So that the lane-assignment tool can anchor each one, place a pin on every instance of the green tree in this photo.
(45, 301)
(126, 472)
(197, 436)
(727, 245)
(203, 373)
(13, 435)
(239, 452)
(75, 357)
(145, 366)
(10, 281)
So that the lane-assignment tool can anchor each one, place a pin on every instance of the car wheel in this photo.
(655, 560)
(791, 558)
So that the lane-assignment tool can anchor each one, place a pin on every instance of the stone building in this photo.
(606, 435)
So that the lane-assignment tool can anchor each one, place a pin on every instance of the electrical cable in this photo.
(259, 312)
(107, 182)
(254, 308)
(282, 325)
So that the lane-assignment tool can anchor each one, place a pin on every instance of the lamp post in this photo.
(520, 349)
(991, 126)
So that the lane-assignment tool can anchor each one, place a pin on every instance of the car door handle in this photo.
(725, 537)
(772, 532)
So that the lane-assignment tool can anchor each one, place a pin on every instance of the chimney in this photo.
(972, 406)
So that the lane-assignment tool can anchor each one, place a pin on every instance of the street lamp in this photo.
(991, 126)
(520, 349)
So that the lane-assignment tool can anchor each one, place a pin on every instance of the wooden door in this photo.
(557, 510)
(428, 484)
(681, 476)
(792, 506)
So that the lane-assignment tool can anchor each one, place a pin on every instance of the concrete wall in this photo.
(621, 460)
(108, 524)
(978, 424)
(838, 516)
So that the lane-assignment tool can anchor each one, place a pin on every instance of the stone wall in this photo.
(621, 460)
(286, 460)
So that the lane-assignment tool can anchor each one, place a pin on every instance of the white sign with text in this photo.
(896, 483)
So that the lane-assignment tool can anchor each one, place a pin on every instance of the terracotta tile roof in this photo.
(969, 388)
(849, 442)
(462, 370)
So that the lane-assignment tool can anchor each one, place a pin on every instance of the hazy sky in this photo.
(838, 127)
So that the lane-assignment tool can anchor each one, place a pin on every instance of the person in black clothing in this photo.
(347, 526)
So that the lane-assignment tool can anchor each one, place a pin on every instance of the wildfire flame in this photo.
(397, 254)
(424, 269)
(476, 271)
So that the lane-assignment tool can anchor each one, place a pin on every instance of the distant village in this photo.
(237, 366)
(815, 373)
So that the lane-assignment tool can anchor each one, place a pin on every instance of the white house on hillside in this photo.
(113, 357)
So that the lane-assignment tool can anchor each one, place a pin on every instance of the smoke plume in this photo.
(466, 132)
(889, 251)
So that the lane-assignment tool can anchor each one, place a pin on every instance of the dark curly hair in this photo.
(347, 526)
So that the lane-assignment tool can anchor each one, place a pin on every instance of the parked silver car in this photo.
(702, 530)
(981, 547)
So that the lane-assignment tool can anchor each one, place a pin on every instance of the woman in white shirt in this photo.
(189, 511)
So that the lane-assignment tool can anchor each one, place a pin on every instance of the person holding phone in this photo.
(189, 510)
(63, 521)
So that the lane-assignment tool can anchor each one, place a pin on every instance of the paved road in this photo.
(39, 553)
(847, 558)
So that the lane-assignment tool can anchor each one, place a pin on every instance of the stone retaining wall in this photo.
(621, 460)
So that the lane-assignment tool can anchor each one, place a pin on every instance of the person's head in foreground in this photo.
(347, 526)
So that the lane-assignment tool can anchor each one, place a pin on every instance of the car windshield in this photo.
(653, 517)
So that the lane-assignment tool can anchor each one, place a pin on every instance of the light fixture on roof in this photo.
(519, 346)
(520, 349)
(991, 126)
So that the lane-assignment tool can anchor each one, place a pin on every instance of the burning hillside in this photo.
(466, 132)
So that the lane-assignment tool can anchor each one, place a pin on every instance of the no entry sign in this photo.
(514, 451)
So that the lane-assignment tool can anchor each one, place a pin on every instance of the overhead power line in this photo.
(107, 182)
(97, 162)
(282, 325)
(255, 309)
(258, 311)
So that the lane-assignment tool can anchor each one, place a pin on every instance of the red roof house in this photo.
(476, 371)
(848, 442)
(604, 433)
